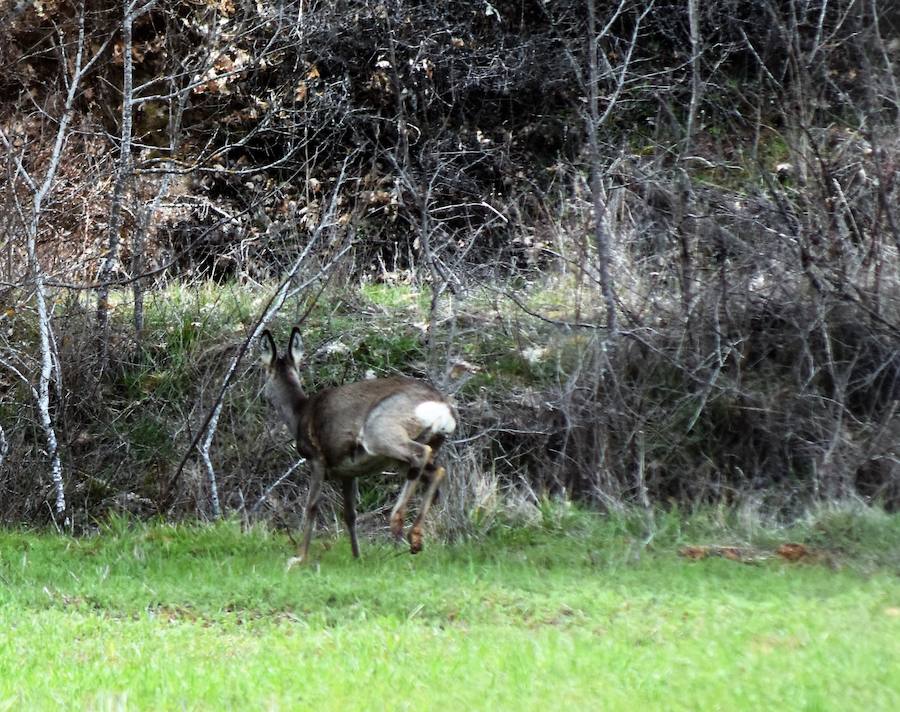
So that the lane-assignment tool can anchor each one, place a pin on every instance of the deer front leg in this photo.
(350, 491)
(317, 474)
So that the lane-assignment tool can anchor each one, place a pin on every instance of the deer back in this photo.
(344, 419)
(350, 426)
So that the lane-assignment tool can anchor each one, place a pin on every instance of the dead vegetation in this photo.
(656, 265)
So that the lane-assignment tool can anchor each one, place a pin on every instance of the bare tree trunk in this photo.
(45, 335)
(402, 127)
(4, 446)
(602, 237)
(122, 180)
(694, 26)
(684, 198)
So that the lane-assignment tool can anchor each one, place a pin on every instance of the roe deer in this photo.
(357, 429)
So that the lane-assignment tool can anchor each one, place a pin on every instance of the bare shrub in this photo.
(670, 246)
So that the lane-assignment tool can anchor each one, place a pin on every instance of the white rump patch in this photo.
(436, 417)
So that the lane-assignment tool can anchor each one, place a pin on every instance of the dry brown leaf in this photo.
(379, 197)
(694, 552)
(792, 552)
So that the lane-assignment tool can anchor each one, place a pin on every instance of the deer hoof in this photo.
(415, 541)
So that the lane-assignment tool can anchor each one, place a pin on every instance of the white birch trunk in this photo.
(4, 446)
(45, 324)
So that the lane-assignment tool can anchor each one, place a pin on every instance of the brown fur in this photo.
(356, 429)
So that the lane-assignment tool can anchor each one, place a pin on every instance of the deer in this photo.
(358, 429)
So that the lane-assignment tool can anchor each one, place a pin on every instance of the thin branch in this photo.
(271, 488)
(203, 439)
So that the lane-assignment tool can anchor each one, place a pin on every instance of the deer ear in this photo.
(295, 347)
(267, 352)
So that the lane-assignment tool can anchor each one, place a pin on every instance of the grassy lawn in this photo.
(201, 617)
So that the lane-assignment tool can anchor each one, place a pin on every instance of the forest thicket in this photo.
(651, 248)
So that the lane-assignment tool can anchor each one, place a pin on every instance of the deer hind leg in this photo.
(316, 476)
(398, 513)
(415, 534)
(415, 459)
(435, 444)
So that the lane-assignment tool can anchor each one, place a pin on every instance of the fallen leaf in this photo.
(792, 552)
(694, 552)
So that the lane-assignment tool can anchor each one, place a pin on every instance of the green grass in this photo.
(206, 617)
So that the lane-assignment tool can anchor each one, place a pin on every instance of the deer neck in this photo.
(287, 395)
